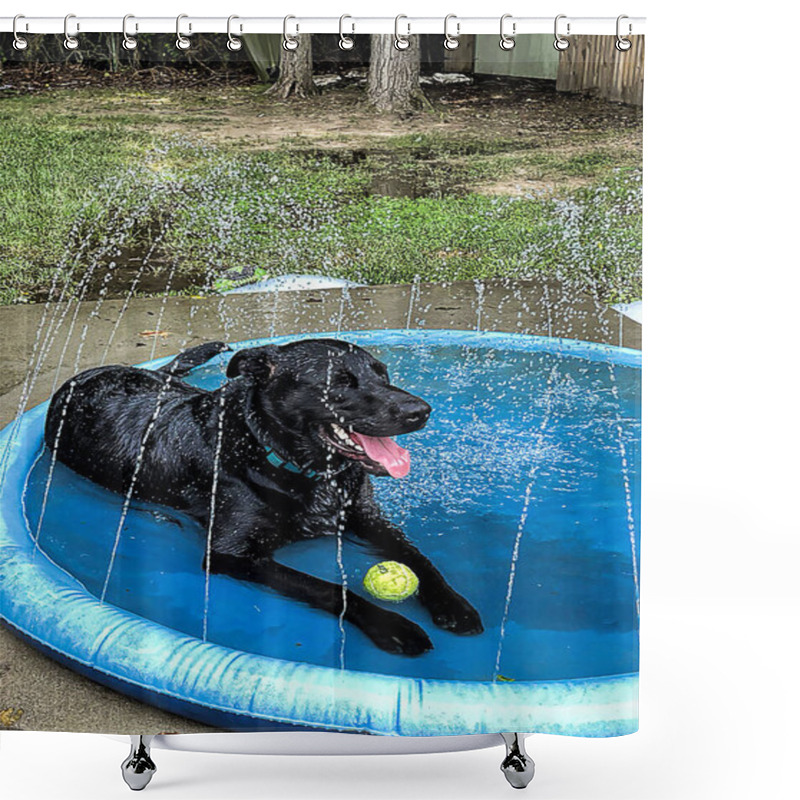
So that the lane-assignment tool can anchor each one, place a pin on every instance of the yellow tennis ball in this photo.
(391, 581)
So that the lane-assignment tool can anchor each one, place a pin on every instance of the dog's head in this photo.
(325, 400)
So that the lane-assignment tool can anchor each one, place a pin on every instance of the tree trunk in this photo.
(295, 73)
(112, 49)
(393, 83)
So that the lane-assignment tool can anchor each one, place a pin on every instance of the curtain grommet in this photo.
(346, 42)
(623, 44)
(401, 40)
(70, 41)
(182, 42)
(129, 42)
(560, 42)
(19, 42)
(290, 43)
(234, 43)
(451, 39)
(507, 40)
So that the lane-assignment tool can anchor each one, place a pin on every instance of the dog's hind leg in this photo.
(184, 363)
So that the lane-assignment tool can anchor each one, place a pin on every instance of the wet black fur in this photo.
(281, 397)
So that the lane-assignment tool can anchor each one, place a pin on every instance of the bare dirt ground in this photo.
(232, 107)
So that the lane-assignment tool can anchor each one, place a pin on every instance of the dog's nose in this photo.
(415, 411)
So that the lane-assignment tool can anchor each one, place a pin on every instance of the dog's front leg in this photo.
(390, 631)
(448, 609)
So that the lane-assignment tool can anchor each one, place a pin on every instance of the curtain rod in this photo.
(351, 25)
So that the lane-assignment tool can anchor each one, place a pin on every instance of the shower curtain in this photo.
(320, 385)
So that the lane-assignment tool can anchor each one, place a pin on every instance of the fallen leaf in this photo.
(9, 717)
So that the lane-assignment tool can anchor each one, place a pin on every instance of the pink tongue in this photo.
(385, 451)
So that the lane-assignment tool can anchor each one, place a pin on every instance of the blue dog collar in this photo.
(289, 466)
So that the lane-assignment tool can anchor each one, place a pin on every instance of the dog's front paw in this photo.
(453, 613)
(396, 634)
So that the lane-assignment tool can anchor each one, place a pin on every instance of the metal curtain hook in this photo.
(181, 41)
(451, 39)
(70, 42)
(560, 43)
(507, 40)
(623, 44)
(128, 41)
(19, 42)
(234, 44)
(401, 41)
(346, 42)
(290, 39)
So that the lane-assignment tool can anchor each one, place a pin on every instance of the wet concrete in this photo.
(36, 693)
(87, 334)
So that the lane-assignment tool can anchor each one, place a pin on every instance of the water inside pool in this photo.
(505, 423)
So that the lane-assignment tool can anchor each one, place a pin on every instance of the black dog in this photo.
(301, 427)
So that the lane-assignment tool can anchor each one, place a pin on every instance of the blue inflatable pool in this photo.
(526, 472)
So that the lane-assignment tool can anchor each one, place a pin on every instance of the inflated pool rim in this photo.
(46, 606)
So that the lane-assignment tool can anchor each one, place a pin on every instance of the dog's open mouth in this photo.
(380, 455)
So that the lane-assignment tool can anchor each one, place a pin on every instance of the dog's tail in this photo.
(185, 362)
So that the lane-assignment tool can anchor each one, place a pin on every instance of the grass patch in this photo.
(48, 184)
(591, 238)
(80, 191)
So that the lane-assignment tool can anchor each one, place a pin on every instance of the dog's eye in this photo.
(381, 370)
(345, 380)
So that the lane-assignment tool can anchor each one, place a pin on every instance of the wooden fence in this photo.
(593, 64)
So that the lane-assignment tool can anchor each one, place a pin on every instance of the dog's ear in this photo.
(257, 363)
